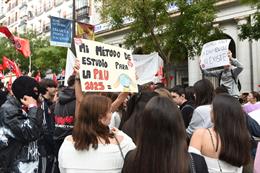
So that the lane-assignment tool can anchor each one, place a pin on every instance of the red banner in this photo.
(12, 66)
(6, 32)
(22, 45)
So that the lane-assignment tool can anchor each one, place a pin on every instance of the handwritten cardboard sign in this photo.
(105, 68)
(214, 54)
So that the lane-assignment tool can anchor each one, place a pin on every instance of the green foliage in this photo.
(251, 30)
(175, 35)
(43, 55)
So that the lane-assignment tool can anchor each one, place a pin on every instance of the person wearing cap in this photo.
(20, 128)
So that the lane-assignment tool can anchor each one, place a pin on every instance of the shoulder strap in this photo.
(216, 148)
(219, 78)
(120, 149)
(212, 140)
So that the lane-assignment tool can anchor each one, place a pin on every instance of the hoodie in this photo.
(64, 113)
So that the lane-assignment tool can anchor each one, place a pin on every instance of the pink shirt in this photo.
(257, 160)
(249, 107)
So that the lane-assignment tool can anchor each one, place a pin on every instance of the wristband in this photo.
(31, 106)
(77, 78)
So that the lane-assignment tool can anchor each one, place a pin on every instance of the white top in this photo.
(115, 120)
(215, 164)
(105, 159)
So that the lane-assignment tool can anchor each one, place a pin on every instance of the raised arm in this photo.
(214, 73)
(119, 100)
(238, 67)
(26, 127)
(78, 90)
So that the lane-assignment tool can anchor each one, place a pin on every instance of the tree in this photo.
(175, 35)
(43, 55)
(251, 30)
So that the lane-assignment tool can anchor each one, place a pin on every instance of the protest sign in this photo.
(70, 61)
(214, 54)
(60, 32)
(146, 67)
(105, 68)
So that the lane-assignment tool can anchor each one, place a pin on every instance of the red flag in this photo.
(7, 63)
(1, 75)
(23, 46)
(38, 77)
(54, 78)
(6, 32)
(12, 66)
(160, 72)
(16, 70)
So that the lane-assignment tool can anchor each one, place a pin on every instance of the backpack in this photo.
(236, 81)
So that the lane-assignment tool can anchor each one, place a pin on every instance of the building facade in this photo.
(231, 14)
(24, 15)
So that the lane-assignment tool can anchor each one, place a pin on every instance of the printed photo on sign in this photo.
(105, 68)
(215, 54)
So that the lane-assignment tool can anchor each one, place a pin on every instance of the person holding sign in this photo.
(228, 75)
(93, 147)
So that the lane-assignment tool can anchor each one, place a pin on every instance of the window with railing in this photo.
(9, 6)
(82, 14)
(38, 10)
(16, 16)
(47, 5)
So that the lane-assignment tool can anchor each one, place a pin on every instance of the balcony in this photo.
(47, 6)
(23, 22)
(2, 16)
(39, 11)
(82, 14)
(23, 5)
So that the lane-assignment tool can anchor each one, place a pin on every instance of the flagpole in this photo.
(73, 26)
(30, 66)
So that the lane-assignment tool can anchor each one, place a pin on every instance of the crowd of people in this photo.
(49, 129)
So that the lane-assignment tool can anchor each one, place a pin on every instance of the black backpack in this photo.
(236, 81)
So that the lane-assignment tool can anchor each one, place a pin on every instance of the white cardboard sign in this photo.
(214, 54)
(105, 68)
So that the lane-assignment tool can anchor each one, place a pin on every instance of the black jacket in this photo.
(19, 132)
(64, 114)
(3, 96)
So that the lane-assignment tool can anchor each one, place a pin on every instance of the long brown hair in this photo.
(161, 143)
(88, 128)
(230, 125)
